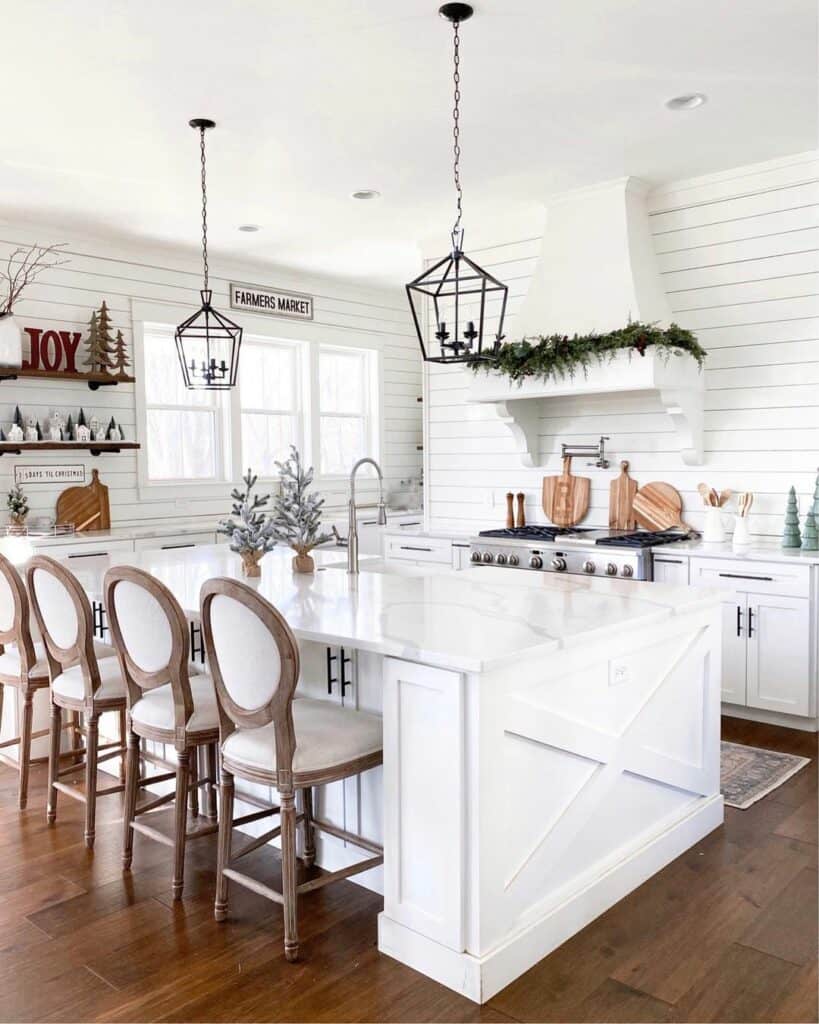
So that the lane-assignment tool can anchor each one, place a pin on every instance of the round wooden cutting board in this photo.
(658, 506)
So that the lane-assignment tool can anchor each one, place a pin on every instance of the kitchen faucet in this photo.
(352, 533)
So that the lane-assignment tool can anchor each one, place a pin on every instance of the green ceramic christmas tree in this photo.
(790, 536)
(810, 536)
(816, 497)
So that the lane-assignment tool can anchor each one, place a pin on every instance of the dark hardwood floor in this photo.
(728, 932)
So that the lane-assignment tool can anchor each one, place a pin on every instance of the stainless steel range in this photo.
(577, 550)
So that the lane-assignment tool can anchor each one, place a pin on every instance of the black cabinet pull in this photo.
(415, 522)
(670, 561)
(172, 547)
(741, 576)
(330, 678)
(750, 623)
(345, 682)
(90, 554)
(409, 547)
(739, 621)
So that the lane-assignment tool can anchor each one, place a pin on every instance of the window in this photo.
(185, 430)
(346, 407)
(272, 409)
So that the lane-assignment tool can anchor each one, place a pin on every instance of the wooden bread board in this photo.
(658, 506)
(566, 497)
(86, 507)
(621, 497)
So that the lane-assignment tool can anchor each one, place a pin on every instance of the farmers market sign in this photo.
(271, 301)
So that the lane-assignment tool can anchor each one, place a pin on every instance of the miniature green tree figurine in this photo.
(810, 536)
(121, 360)
(252, 536)
(791, 537)
(816, 497)
(17, 504)
(297, 513)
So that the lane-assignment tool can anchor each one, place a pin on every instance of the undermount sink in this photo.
(389, 568)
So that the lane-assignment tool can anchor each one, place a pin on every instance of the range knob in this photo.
(559, 564)
(500, 560)
(514, 560)
(488, 557)
(535, 562)
(588, 565)
(627, 571)
(611, 569)
(475, 556)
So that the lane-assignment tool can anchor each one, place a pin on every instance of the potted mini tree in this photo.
(251, 531)
(17, 504)
(297, 513)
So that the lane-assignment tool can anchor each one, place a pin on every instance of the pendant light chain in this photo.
(457, 231)
(204, 206)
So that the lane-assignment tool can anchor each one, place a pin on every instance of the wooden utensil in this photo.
(510, 510)
(566, 497)
(521, 519)
(621, 495)
(724, 497)
(658, 506)
(86, 507)
(705, 492)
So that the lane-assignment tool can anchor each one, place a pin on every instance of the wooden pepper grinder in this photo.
(510, 510)
(521, 520)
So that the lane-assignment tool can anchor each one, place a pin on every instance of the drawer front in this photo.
(75, 550)
(418, 549)
(181, 540)
(758, 577)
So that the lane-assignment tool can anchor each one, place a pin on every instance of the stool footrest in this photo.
(334, 876)
(250, 883)
(152, 833)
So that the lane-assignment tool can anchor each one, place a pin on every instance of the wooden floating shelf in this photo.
(95, 447)
(93, 380)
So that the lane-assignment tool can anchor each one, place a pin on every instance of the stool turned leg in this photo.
(25, 746)
(91, 753)
(193, 781)
(123, 734)
(291, 931)
(131, 790)
(210, 768)
(55, 735)
(309, 835)
(181, 809)
(225, 834)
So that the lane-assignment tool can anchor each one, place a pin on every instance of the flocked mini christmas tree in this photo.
(297, 512)
(17, 504)
(791, 537)
(251, 532)
(810, 535)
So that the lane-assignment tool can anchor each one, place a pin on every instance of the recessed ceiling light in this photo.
(366, 193)
(688, 101)
(249, 227)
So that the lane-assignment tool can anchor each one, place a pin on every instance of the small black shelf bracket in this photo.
(93, 385)
(12, 451)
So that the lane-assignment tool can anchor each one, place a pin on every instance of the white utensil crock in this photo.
(742, 533)
(714, 532)
(11, 342)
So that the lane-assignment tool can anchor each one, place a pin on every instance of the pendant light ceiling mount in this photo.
(208, 342)
(456, 289)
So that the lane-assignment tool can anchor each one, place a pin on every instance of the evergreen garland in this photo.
(558, 355)
(297, 513)
(251, 530)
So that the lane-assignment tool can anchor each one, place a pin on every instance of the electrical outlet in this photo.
(619, 673)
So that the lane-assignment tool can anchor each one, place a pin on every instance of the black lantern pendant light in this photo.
(456, 286)
(207, 342)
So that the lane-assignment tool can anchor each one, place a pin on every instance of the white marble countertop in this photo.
(468, 621)
(760, 551)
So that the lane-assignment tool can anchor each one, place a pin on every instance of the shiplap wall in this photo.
(739, 255)
(64, 297)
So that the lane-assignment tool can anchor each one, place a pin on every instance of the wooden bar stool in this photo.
(81, 683)
(266, 737)
(166, 704)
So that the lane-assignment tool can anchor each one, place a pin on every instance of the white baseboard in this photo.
(480, 978)
(770, 717)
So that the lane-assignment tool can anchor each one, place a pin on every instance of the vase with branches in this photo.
(251, 531)
(297, 512)
(22, 267)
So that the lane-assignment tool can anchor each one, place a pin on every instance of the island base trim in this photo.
(480, 978)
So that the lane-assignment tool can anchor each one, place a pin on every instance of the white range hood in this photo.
(597, 270)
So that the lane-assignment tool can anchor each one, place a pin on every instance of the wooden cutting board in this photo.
(86, 507)
(658, 506)
(566, 497)
(621, 497)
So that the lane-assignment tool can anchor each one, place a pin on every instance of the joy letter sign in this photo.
(52, 350)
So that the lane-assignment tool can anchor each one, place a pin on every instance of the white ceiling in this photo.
(318, 98)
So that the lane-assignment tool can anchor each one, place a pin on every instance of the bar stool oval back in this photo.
(166, 704)
(23, 666)
(266, 737)
(85, 680)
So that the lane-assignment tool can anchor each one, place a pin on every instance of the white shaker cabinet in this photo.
(778, 665)
(734, 653)
(667, 569)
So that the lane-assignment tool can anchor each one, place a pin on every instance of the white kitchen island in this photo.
(549, 742)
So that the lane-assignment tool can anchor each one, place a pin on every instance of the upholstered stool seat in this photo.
(155, 708)
(69, 686)
(328, 738)
(10, 661)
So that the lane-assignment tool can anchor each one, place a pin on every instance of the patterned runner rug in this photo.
(749, 773)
